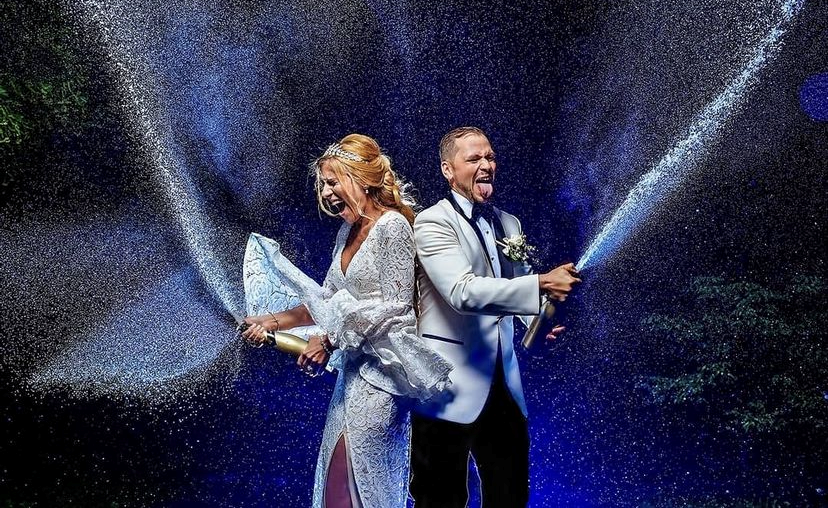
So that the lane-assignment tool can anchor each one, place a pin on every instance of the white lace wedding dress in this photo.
(368, 315)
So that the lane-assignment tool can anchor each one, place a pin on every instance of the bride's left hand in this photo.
(314, 358)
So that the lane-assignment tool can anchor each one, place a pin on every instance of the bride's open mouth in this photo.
(336, 206)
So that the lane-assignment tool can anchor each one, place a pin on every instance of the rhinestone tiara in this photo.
(337, 150)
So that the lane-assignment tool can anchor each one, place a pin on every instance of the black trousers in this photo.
(499, 442)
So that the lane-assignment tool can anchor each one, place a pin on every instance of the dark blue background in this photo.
(579, 102)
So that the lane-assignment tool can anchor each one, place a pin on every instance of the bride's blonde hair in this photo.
(360, 158)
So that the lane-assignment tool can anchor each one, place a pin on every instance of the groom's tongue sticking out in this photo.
(483, 187)
(470, 170)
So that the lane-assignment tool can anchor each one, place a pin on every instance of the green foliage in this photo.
(43, 89)
(749, 356)
(46, 96)
(13, 125)
(31, 109)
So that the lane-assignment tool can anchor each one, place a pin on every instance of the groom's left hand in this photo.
(556, 332)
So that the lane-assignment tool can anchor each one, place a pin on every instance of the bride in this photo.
(366, 308)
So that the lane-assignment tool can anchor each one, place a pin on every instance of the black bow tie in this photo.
(484, 210)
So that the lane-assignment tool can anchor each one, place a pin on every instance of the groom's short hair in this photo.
(448, 148)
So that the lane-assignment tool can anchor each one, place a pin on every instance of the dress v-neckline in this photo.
(344, 271)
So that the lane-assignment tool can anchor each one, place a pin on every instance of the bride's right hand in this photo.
(256, 327)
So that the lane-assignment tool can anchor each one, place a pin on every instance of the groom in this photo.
(469, 291)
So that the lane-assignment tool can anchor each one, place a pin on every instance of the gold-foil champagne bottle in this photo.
(285, 342)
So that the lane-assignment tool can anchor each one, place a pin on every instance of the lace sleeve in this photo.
(395, 262)
(354, 321)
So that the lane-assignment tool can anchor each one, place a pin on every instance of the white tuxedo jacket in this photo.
(464, 311)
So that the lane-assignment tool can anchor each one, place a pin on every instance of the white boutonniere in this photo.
(516, 248)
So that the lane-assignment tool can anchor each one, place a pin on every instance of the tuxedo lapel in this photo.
(506, 265)
(472, 235)
(506, 269)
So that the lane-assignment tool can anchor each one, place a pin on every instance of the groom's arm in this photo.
(449, 269)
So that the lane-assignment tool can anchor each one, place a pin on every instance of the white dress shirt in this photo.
(485, 228)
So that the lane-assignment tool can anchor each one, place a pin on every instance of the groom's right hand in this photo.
(558, 282)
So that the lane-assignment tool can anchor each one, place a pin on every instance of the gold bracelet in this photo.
(275, 319)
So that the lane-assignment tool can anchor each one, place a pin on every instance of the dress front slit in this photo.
(340, 486)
